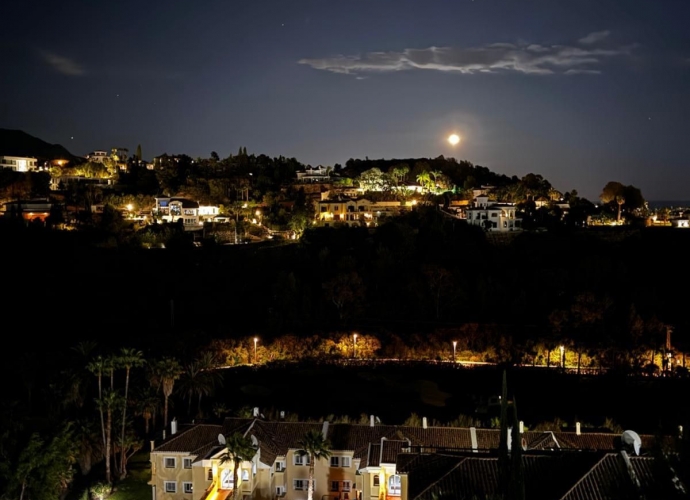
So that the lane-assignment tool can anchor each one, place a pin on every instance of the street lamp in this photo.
(354, 345)
(256, 339)
(562, 356)
(455, 344)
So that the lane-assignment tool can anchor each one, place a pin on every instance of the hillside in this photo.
(19, 143)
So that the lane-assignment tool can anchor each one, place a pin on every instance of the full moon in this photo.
(454, 139)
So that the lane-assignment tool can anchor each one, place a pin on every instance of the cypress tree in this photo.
(139, 152)
(503, 460)
(517, 487)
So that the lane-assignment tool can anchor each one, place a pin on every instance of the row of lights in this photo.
(354, 349)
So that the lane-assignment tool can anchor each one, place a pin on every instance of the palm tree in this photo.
(168, 371)
(192, 383)
(129, 358)
(620, 200)
(78, 390)
(97, 366)
(109, 401)
(147, 404)
(424, 179)
(316, 446)
(199, 378)
(213, 377)
(238, 449)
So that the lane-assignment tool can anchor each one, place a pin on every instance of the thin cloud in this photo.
(63, 65)
(583, 72)
(595, 37)
(525, 58)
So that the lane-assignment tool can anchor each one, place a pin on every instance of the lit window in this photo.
(301, 459)
(245, 475)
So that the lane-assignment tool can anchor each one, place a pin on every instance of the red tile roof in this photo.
(191, 439)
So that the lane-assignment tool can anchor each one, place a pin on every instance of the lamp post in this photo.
(354, 345)
(256, 339)
(455, 344)
(562, 356)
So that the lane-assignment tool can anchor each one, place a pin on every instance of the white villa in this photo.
(314, 174)
(192, 214)
(97, 156)
(18, 163)
(493, 216)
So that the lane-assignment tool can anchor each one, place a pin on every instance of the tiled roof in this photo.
(232, 425)
(469, 478)
(607, 479)
(390, 450)
(373, 458)
(276, 438)
(193, 439)
(552, 476)
(610, 479)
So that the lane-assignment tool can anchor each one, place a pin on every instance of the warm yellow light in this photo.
(129, 207)
(454, 139)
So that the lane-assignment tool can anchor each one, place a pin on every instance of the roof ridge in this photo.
(586, 475)
(177, 435)
(440, 478)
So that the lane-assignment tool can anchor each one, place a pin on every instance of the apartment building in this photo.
(368, 462)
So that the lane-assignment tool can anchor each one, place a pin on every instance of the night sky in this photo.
(582, 92)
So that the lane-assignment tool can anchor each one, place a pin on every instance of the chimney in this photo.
(371, 420)
(282, 415)
(510, 438)
(522, 427)
(577, 428)
(680, 431)
(163, 434)
(173, 427)
(473, 438)
(324, 429)
(152, 444)
(423, 422)
(256, 411)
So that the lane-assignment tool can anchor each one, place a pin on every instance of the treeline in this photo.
(470, 343)
(413, 275)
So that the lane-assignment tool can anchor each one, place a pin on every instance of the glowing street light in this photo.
(455, 344)
(354, 345)
(562, 356)
(453, 139)
(256, 339)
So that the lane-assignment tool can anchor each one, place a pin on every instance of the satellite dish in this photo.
(221, 439)
(632, 439)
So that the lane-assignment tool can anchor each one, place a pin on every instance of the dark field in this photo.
(393, 392)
